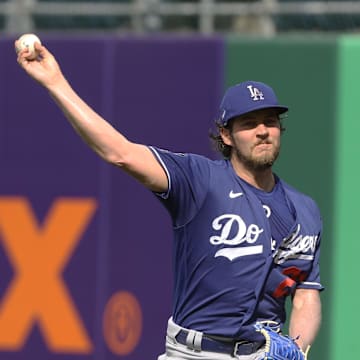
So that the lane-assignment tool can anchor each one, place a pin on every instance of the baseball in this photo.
(27, 41)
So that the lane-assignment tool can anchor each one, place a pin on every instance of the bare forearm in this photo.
(305, 319)
(135, 159)
(99, 134)
(94, 130)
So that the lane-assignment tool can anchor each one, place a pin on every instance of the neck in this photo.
(263, 179)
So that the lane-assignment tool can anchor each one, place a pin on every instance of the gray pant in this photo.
(176, 351)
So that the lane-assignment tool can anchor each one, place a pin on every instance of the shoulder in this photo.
(189, 158)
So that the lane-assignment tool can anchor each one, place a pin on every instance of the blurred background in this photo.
(85, 251)
(259, 17)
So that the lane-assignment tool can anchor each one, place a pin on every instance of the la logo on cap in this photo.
(255, 93)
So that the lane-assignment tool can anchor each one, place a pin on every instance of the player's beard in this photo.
(259, 162)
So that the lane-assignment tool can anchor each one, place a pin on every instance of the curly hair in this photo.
(218, 143)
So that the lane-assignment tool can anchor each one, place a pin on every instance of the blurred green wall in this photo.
(305, 74)
(346, 245)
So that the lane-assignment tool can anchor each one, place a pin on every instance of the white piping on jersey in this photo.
(310, 283)
(164, 195)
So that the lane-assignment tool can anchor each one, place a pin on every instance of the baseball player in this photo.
(244, 240)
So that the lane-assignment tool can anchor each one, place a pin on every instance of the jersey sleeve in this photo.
(309, 217)
(312, 281)
(188, 178)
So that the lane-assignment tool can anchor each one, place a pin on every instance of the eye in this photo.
(248, 123)
(272, 121)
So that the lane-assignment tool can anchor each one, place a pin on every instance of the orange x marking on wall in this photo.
(39, 253)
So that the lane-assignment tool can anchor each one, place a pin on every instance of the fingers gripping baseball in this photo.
(27, 41)
(38, 62)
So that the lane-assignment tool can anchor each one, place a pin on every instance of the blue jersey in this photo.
(228, 270)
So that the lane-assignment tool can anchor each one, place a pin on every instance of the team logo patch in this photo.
(234, 232)
(297, 246)
(255, 93)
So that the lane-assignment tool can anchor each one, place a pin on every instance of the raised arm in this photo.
(135, 159)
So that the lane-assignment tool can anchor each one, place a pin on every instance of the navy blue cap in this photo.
(246, 97)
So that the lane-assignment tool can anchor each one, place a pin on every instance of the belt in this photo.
(223, 345)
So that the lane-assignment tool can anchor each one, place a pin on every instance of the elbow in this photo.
(114, 159)
(110, 156)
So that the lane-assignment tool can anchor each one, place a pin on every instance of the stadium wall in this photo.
(304, 73)
(85, 252)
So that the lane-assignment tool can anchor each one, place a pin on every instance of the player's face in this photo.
(255, 138)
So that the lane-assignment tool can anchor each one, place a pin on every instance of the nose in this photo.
(262, 130)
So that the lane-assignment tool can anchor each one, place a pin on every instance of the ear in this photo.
(225, 135)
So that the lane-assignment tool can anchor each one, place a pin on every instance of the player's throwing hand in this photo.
(44, 68)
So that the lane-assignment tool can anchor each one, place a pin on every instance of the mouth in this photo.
(263, 145)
